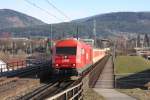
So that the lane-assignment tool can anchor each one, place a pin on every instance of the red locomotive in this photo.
(74, 56)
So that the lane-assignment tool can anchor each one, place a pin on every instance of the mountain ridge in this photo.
(10, 18)
(106, 25)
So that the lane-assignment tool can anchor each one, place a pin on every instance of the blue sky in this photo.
(75, 9)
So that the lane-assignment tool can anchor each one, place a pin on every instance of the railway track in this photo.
(14, 84)
(10, 87)
(47, 89)
(4, 80)
(30, 89)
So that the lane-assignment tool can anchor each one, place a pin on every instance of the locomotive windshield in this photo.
(66, 50)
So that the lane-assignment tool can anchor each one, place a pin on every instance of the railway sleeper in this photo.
(8, 80)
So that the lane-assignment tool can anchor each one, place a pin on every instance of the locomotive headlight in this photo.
(74, 65)
(56, 65)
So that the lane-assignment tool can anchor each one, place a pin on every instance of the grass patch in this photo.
(130, 64)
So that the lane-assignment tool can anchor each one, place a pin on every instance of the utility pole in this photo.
(31, 46)
(51, 34)
(94, 31)
(136, 41)
(77, 32)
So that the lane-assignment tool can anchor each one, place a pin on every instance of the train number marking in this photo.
(65, 60)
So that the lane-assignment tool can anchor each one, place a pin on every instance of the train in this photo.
(75, 56)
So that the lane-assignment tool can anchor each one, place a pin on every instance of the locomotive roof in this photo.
(69, 42)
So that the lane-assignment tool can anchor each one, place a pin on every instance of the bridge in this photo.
(100, 77)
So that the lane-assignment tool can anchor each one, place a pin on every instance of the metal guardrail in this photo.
(73, 93)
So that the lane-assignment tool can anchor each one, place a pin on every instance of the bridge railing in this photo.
(20, 65)
(12, 66)
(73, 93)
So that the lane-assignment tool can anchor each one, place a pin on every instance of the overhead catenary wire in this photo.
(33, 4)
(62, 13)
(52, 5)
(58, 10)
